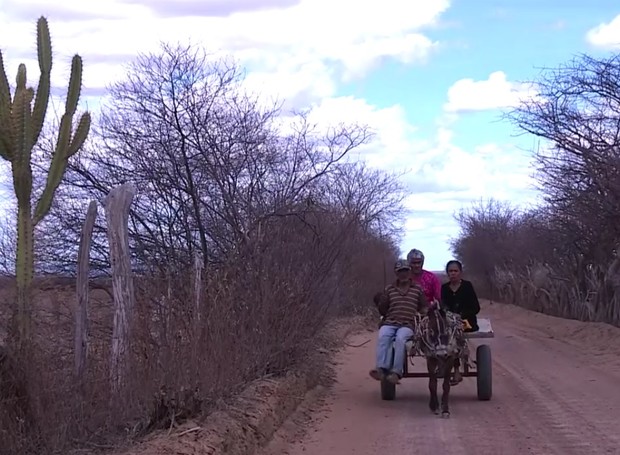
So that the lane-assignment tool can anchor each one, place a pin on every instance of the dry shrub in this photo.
(522, 259)
(257, 316)
(288, 234)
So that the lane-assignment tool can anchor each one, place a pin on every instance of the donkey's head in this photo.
(438, 335)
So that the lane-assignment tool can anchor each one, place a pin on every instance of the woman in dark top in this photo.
(458, 295)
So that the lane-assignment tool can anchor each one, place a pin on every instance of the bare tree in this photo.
(486, 236)
(577, 114)
(374, 197)
(7, 245)
(212, 163)
(534, 266)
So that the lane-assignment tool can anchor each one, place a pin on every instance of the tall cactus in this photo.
(20, 127)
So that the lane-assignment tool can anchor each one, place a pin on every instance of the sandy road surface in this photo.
(556, 391)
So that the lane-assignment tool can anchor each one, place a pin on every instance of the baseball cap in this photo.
(402, 264)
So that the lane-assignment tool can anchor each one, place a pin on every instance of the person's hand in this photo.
(380, 298)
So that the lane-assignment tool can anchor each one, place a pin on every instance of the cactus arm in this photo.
(21, 78)
(5, 90)
(56, 169)
(21, 125)
(44, 50)
(75, 86)
(81, 133)
(5, 113)
(66, 146)
(59, 165)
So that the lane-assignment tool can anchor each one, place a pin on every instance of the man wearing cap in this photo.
(400, 304)
(427, 280)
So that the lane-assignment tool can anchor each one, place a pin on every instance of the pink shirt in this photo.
(430, 285)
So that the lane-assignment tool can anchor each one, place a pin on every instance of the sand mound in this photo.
(251, 419)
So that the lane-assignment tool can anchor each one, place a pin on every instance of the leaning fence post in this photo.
(83, 268)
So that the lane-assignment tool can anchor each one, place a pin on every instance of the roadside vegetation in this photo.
(561, 257)
(245, 229)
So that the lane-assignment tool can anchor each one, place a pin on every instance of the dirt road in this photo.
(556, 391)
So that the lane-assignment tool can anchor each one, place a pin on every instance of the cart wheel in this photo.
(484, 372)
(388, 390)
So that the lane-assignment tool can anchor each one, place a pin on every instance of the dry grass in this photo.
(291, 234)
(523, 259)
(183, 361)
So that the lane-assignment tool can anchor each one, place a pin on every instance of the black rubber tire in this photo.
(388, 390)
(484, 376)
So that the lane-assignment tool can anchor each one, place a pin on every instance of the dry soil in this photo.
(556, 390)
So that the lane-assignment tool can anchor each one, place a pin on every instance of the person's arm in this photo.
(446, 301)
(473, 305)
(423, 304)
(382, 300)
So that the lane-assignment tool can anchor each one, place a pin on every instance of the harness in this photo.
(440, 334)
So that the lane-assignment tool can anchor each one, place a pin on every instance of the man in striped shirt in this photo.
(399, 304)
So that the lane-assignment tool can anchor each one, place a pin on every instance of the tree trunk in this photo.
(83, 268)
(117, 205)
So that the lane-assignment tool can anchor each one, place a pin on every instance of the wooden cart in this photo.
(479, 368)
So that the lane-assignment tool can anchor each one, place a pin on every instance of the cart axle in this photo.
(469, 374)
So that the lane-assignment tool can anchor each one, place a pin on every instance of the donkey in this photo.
(441, 341)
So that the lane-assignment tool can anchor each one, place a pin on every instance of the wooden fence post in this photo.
(81, 312)
(117, 206)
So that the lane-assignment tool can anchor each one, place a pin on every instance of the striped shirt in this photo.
(403, 305)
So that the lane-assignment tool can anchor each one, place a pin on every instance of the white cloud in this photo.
(293, 43)
(489, 171)
(496, 92)
(442, 178)
(560, 24)
(298, 53)
(606, 35)
(437, 166)
(294, 81)
(394, 146)
(398, 145)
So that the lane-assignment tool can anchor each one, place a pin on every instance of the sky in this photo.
(430, 77)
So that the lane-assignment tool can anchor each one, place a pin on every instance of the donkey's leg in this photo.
(445, 396)
(431, 365)
(458, 377)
